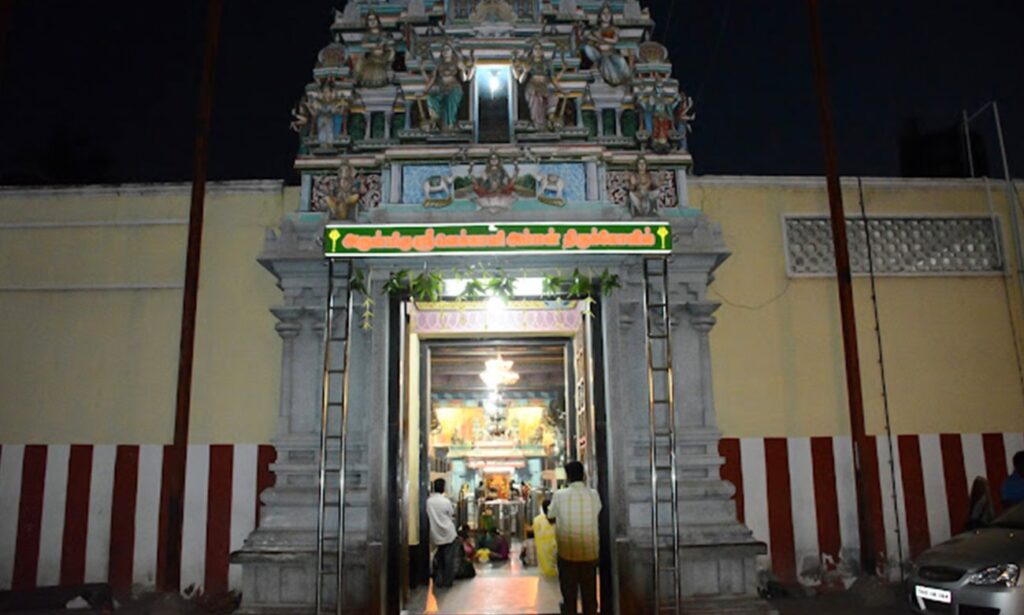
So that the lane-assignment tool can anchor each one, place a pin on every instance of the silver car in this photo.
(975, 573)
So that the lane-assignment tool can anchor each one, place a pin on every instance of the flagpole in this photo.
(861, 444)
(173, 506)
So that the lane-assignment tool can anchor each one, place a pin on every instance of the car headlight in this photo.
(1003, 574)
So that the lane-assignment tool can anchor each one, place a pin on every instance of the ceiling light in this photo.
(499, 373)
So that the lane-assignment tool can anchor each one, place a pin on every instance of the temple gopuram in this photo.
(485, 144)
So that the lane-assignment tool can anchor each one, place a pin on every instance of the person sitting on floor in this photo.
(980, 513)
(529, 553)
(496, 545)
(466, 552)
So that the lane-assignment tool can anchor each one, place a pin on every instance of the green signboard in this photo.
(372, 240)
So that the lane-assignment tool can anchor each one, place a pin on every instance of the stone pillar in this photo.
(279, 557)
(717, 552)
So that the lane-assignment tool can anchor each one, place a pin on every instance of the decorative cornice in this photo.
(701, 314)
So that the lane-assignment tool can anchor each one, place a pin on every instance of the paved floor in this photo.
(505, 588)
(816, 606)
(875, 599)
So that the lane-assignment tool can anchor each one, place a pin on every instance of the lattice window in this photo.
(922, 245)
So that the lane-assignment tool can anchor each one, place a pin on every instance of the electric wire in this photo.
(757, 306)
(881, 369)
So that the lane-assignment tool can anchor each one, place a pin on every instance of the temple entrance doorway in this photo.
(495, 403)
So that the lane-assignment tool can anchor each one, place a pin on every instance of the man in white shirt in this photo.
(574, 512)
(441, 514)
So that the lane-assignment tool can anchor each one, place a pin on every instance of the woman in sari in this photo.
(544, 540)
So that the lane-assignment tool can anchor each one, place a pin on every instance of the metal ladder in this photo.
(337, 331)
(661, 405)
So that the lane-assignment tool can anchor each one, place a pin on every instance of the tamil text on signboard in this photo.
(357, 240)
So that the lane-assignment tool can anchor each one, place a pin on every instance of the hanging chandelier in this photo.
(498, 373)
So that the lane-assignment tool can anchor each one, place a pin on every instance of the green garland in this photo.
(428, 286)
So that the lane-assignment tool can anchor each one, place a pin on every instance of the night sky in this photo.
(106, 91)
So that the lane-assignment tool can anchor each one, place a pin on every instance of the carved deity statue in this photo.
(494, 190)
(373, 70)
(643, 190)
(542, 92)
(599, 45)
(684, 115)
(495, 179)
(659, 109)
(301, 117)
(345, 195)
(493, 11)
(444, 86)
(322, 110)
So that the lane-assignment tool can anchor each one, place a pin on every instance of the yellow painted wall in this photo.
(950, 360)
(86, 363)
(83, 365)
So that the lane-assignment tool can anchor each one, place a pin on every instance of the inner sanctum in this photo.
(498, 399)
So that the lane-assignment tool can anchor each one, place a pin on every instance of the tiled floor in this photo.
(498, 589)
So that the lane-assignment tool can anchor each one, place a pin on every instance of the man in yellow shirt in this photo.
(574, 512)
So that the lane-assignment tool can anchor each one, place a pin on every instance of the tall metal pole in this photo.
(1011, 199)
(967, 143)
(174, 505)
(1011, 193)
(861, 448)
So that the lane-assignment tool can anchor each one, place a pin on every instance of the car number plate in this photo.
(936, 595)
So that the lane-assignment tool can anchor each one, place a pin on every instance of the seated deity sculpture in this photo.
(373, 70)
(643, 191)
(599, 45)
(495, 189)
(347, 194)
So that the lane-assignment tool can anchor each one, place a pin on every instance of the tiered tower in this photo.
(503, 111)
(573, 96)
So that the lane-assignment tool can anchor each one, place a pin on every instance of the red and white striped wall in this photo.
(74, 514)
(83, 513)
(797, 495)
